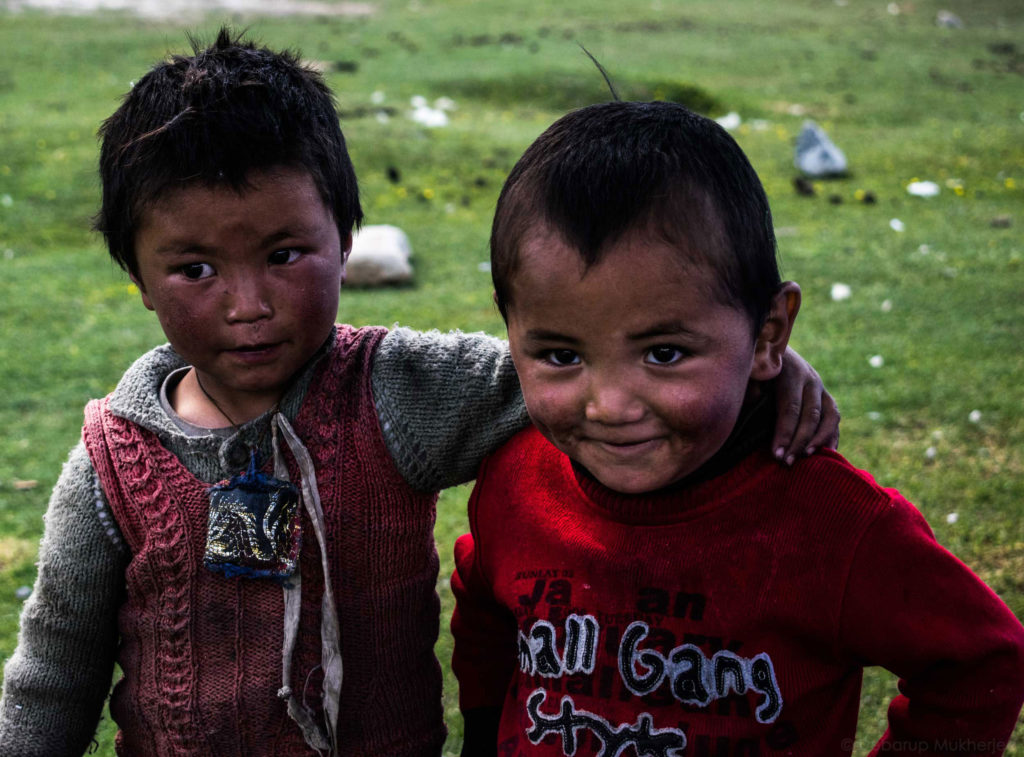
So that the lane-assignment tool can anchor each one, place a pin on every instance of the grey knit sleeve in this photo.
(444, 401)
(56, 681)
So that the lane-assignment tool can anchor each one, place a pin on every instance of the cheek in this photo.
(318, 299)
(179, 317)
(708, 416)
(551, 405)
(316, 304)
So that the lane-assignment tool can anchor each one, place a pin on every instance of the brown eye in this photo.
(282, 257)
(562, 357)
(196, 271)
(664, 355)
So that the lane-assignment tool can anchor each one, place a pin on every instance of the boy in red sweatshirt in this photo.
(641, 580)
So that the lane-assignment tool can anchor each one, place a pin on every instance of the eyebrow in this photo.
(185, 247)
(664, 328)
(544, 335)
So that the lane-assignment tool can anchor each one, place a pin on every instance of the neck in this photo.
(211, 409)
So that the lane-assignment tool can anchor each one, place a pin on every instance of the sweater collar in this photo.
(209, 457)
(703, 488)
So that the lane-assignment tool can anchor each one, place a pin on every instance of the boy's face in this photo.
(634, 369)
(245, 285)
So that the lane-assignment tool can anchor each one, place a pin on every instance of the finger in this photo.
(807, 425)
(788, 406)
(827, 434)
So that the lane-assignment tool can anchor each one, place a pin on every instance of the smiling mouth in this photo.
(639, 445)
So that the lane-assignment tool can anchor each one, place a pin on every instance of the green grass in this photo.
(940, 302)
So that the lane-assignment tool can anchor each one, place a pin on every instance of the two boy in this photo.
(641, 579)
(248, 619)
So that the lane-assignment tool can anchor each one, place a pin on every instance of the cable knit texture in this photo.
(446, 399)
(202, 653)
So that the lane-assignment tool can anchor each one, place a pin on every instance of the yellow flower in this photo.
(428, 194)
(1010, 183)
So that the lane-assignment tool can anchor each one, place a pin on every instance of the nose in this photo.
(248, 299)
(612, 400)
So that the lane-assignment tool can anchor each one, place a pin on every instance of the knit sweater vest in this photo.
(201, 653)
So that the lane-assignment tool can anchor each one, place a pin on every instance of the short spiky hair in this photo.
(213, 118)
(607, 170)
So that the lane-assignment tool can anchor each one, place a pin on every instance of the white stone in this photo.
(380, 255)
(841, 292)
(432, 118)
(923, 188)
(730, 120)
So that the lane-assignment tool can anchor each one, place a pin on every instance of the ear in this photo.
(773, 338)
(346, 250)
(503, 312)
(142, 291)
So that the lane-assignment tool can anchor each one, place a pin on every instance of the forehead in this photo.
(546, 260)
(641, 279)
(265, 198)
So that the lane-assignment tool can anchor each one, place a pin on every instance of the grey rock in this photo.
(816, 155)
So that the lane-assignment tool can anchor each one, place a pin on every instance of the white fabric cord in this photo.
(330, 634)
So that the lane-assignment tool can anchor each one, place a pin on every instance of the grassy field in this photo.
(937, 304)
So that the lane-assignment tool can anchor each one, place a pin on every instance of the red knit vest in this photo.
(201, 653)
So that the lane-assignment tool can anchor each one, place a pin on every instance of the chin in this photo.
(634, 484)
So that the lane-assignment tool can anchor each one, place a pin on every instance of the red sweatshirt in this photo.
(728, 617)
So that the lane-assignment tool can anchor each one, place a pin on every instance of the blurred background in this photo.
(910, 261)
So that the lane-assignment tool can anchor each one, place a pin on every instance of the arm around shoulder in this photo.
(445, 400)
(915, 609)
(56, 681)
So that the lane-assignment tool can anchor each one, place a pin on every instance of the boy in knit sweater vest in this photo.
(641, 580)
(289, 610)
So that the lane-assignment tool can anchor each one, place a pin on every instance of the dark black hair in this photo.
(213, 118)
(606, 170)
